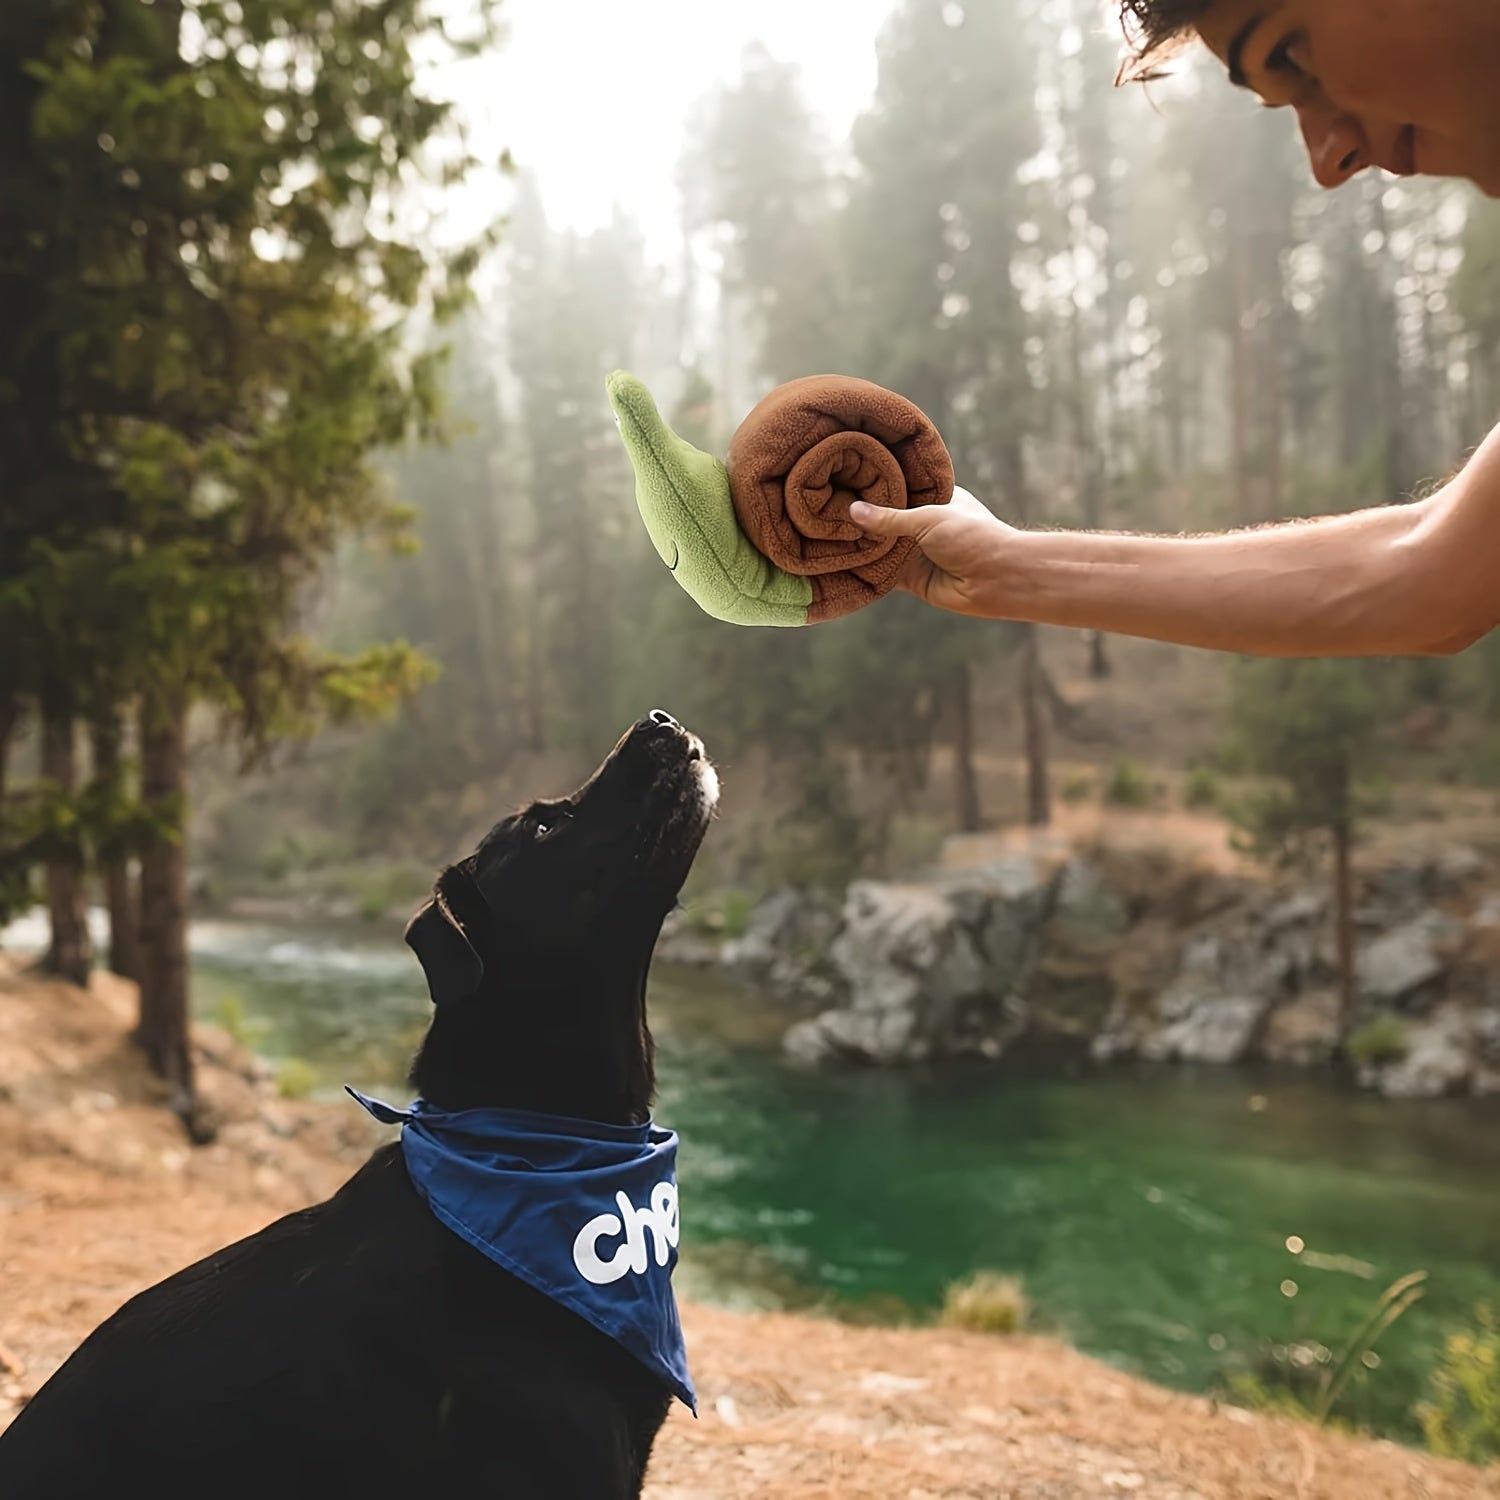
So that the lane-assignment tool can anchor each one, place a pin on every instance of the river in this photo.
(1183, 1224)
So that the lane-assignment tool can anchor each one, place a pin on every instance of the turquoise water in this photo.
(1147, 1212)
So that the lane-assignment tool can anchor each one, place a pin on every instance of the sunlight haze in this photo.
(594, 96)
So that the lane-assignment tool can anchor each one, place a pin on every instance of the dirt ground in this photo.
(99, 1197)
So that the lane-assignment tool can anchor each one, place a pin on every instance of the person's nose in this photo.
(1336, 145)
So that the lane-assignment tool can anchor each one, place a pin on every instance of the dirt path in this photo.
(99, 1198)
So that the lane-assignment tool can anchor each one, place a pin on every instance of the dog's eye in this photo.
(545, 823)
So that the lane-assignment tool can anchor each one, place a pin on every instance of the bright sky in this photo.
(593, 95)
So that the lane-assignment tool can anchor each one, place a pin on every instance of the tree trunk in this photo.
(1343, 905)
(1098, 660)
(120, 891)
(10, 719)
(1010, 471)
(1280, 340)
(163, 1029)
(1034, 722)
(965, 782)
(70, 955)
(1092, 479)
(1240, 384)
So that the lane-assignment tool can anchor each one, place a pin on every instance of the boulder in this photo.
(1087, 911)
(785, 945)
(1440, 1058)
(931, 969)
(1209, 1028)
(1404, 958)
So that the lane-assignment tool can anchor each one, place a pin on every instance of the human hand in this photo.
(960, 549)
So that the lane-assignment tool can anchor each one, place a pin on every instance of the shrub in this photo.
(1077, 788)
(986, 1302)
(296, 1079)
(1201, 789)
(1382, 1039)
(1127, 785)
(1463, 1418)
(232, 1017)
(725, 915)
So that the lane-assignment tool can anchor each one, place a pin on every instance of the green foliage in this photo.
(1078, 788)
(1312, 728)
(209, 286)
(1127, 785)
(986, 1302)
(1462, 1420)
(725, 914)
(385, 888)
(18, 891)
(296, 1079)
(822, 840)
(1308, 1378)
(1382, 1039)
(230, 1014)
(1201, 788)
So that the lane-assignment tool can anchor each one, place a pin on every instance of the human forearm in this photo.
(1402, 580)
(1335, 586)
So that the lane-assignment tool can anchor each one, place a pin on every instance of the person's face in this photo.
(1412, 86)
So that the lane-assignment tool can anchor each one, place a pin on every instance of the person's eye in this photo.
(1288, 59)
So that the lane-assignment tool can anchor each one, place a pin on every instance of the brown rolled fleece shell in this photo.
(804, 454)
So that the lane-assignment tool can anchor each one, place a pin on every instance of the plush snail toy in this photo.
(766, 539)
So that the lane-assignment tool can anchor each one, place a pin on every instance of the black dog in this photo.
(360, 1348)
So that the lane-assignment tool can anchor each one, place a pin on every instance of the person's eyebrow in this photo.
(1236, 53)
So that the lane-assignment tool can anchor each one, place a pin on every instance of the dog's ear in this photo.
(448, 959)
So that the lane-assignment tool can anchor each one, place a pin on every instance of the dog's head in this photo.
(536, 946)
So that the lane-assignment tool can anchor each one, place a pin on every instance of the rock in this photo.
(1459, 867)
(679, 944)
(1087, 910)
(1215, 1029)
(1407, 957)
(1298, 909)
(1304, 1031)
(785, 944)
(931, 970)
(1440, 1058)
(1486, 1032)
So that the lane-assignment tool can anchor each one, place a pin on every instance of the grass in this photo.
(1381, 1040)
(1200, 789)
(231, 1016)
(986, 1302)
(1128, 785)
(1463, 1418)
(1328, 1371)
(296, 1079)
(720, 914)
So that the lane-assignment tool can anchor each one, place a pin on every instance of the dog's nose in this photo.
(662, 719)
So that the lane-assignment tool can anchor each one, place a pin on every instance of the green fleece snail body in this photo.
(684, 499)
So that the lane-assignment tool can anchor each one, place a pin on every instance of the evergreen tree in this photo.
(204, 286)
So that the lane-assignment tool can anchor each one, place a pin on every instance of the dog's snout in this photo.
(660, 721)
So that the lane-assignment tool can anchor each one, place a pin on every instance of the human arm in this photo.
(1403, 580)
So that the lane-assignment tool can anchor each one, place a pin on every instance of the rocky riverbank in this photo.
(1110, 953)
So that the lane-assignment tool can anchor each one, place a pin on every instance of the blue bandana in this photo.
(584, 1212)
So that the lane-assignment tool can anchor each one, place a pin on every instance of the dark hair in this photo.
(1154, 30)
